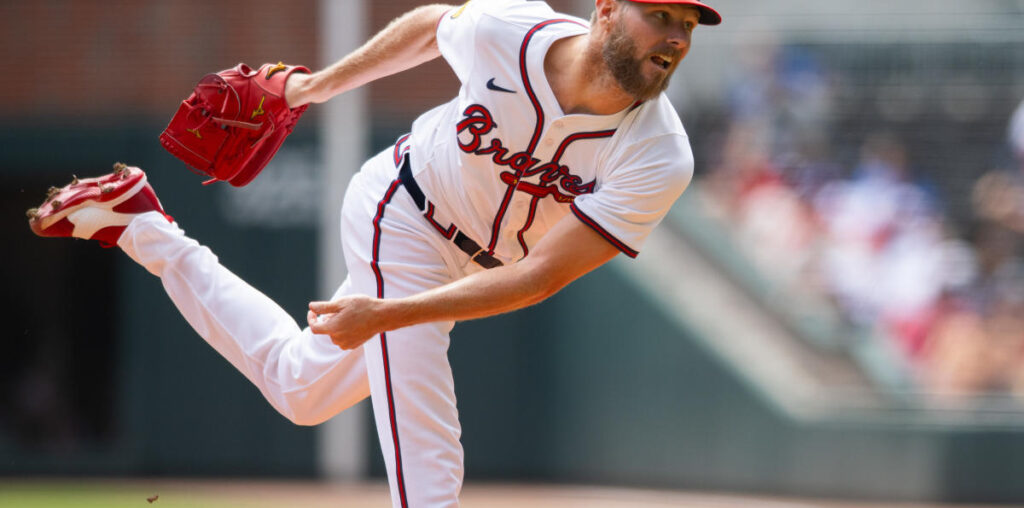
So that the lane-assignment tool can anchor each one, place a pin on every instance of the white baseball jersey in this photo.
(506, 163)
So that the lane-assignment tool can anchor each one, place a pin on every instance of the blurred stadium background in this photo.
(834, 310)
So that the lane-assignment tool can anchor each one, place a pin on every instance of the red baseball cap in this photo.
(708, 16)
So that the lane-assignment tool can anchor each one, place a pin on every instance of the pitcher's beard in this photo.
(627, 70)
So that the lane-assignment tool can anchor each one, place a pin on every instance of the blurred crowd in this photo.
(871, 233)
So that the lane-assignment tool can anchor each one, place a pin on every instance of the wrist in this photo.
(393, 313)
(297, 89)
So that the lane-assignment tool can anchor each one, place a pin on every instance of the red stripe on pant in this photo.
(384, 339)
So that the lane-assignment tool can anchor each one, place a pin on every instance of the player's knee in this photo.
(304, 418)
(296, 412)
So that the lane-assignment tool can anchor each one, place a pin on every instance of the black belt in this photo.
(463, 242)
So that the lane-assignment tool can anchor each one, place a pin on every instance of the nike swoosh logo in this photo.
(496, 88)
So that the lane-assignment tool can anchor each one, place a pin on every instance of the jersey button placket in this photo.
(550, 134)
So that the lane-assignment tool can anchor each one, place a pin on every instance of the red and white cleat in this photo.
(96, 208)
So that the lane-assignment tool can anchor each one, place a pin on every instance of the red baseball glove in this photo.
(234, 122)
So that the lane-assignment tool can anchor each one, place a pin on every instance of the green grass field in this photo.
(138, 493)
(83, 496)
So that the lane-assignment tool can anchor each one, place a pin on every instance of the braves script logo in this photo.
(478, 122)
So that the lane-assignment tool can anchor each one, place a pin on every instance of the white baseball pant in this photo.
(390, 251)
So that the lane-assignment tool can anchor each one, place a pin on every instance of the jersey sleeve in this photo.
(645, 181)
(456, 35)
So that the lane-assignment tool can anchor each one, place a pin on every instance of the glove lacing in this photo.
(205, 108)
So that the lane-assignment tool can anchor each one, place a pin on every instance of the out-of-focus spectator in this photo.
(775, 152)
(972, 351)
(884, 258)
(877, 243)
(1016, 133)
(999, 195)
(957, 357)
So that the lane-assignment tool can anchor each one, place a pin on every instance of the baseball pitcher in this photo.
(559, 152)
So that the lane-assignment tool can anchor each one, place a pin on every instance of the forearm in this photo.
(568, 251)
(406, 42)
(487, 293)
